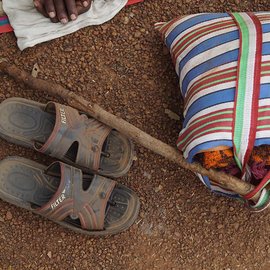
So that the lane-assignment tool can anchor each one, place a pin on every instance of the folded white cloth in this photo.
(32, 28)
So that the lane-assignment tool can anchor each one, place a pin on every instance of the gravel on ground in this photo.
(124, 67)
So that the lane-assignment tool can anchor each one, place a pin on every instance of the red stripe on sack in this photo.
(207, 77)
(202, 29)
(265, 68)
(263, 17)
(183, 45)
(205, 121)
(256, 86)
(209, 114)
(166, 26)
(263, 122)
(257, 188)
(265, 106)
(157, 26)
(184, 145)
(264, 113)
(206, 127)
(220, 79)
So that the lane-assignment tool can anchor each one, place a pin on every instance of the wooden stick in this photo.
(142, 138)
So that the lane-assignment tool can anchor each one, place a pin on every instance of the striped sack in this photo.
(223, 64)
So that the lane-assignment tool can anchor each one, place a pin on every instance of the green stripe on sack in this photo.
(264, 109)
(207, 130)
(265, 72)
(241, 91)
(264, 126)
(214, 75)
(264, 118)
(264, 200)
(212, 115)
(213, 83)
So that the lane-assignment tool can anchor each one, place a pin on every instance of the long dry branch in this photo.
(142, 138)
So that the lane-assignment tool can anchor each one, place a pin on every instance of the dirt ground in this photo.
(123, 66)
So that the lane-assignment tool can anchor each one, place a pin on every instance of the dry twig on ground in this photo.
(142, 138)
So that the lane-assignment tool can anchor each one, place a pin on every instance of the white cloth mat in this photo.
(32, 28)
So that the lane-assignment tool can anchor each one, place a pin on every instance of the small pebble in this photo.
(49, 254)
(9, 215)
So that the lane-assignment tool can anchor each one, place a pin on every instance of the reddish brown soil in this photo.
(123, 67)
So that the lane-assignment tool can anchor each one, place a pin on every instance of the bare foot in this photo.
(62, 10)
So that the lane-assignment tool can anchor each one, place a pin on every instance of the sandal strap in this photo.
(71, 200)
(72, 127)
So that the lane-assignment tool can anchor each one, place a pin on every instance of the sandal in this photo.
(66, 134)
(88, 204)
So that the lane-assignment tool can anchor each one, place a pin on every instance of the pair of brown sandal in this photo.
(75, 192)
